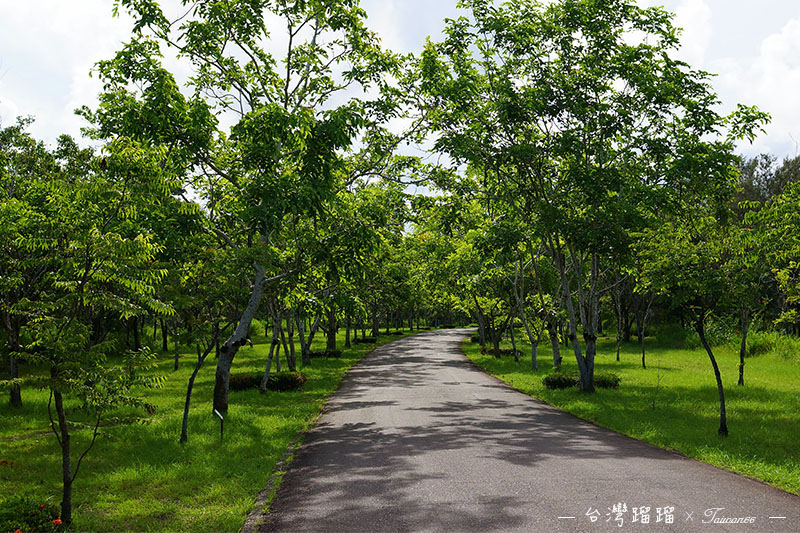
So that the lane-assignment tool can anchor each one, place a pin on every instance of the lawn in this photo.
(139, 478)
(674, 403)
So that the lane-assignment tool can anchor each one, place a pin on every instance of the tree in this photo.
(582, 129)
(96, 259)
(25, 166)
(688, 262)
(295, 118)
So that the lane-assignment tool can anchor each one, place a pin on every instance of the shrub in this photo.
(606, 380)
(244, 381)
(559, 380)
(365, 340)
(27, 514)
(336, 354)
(475, 338)
(280, 382)
(759, 343)
(286, 381)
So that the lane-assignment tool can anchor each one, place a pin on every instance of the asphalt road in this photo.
(419, 439)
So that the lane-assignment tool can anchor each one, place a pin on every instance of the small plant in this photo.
(365, 340)
(475, 339)
(24, 513)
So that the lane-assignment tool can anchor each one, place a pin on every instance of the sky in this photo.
(48, 47)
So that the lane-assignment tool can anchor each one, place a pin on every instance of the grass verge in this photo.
(139, 478)
(674, 403)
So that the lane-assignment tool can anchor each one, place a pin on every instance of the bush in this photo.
(504, 352)
(244, 381)
(27, 514)
(336, 354)
(606, 380)
(365, 340)
(286, 381)
(559, 380)
(280, 382)
(475, 338)
(759, 343)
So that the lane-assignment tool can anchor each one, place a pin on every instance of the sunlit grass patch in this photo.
(674, 403)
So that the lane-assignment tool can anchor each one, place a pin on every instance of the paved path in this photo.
(418, 439)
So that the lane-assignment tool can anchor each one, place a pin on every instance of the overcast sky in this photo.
(47, 48)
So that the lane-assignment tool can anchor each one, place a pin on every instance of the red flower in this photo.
(17, 531)
(57, 521)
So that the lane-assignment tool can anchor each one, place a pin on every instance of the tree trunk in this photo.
(305, 355)
(286, 352)
(617, 295)
(200, 360)
(137, 344)
(514, 341)
(743, 347)
(292, 357)
(330, 344)
(13, 368)
(164, 347)
(348, 325)
(723, 420)
(66, 465)
(375, 324)
(640, 335)
(231, 345)
(552, 330)
(177, 355)
(265, 378)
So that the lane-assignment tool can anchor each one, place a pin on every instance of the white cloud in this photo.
(772, 82)
(694, 16)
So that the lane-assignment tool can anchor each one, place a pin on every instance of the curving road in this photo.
(419, 439)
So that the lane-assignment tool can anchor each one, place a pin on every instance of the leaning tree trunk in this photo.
(201, 357)
(723, 419)
(228, 350)
(305, 354)
(743, 347)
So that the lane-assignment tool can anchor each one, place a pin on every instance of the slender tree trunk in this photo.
(265, 378)
(66, 465)
(238, 338)
(514, 341)
(743, 348)
(177, 355)
(13, 369)
(640, 335)
(348, 326)
(552, 330)
(305, 355)
(723, 419)
(164, 347)
(137, 344)
(286, 353)
(618, 309)
(201, 357)
(375, 325)
(292, 357)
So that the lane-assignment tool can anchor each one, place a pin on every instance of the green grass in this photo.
(139, 478)
(762, 415)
